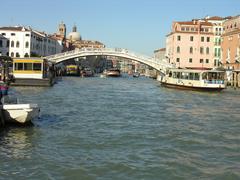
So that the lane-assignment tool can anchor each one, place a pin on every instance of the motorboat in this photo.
(136, 74)
(112, 72)
(194, 79)
(86, 72)
(19, 113)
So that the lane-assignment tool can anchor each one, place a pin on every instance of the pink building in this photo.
(231, 44)
(191, 44)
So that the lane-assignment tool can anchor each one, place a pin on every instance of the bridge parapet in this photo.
(160, 65)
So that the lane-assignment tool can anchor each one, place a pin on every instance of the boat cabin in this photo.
(34, 68)
(208, 76)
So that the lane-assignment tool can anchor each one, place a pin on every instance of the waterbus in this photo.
(205, 80)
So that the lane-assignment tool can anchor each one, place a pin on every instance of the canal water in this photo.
(123, 128)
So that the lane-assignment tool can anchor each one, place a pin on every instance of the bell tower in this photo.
(62, 29)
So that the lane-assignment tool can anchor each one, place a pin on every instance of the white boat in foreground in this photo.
(203, 80)
(20, 113)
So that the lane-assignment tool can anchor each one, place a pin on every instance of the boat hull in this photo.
(20, 113)
(192, 88)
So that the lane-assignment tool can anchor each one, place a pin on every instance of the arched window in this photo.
(201, 50)
(26, 55)
(7, 45)
(27, 44)
(17, 44)
(12, 54)
(207, 50)
(178, 49)
(191, 50)
(12, 44)
(17, 54)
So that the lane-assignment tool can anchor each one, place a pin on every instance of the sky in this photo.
(137, 25)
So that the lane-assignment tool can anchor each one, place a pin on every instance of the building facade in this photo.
(231, 44)
(160, 53)
(26, 42)
(4, 46)
(218, 31)
(190, 44)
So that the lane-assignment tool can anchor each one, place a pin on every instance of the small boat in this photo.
(13, 112)
(203, 80)
(87, 72)
(136, 74)
(20, 113)
(113, 72)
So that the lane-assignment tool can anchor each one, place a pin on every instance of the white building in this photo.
(25, 42)
(218, 31)
(4, 45)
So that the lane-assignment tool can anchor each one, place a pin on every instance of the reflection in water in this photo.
(16, 143)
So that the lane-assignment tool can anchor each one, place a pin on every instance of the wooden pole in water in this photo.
(235, 80)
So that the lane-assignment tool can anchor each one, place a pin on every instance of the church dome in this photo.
(74, 35)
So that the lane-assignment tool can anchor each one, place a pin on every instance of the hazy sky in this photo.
(139, 25)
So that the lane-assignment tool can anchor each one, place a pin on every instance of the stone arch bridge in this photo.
(159, 65)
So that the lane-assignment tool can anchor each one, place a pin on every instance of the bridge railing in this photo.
(114, 51)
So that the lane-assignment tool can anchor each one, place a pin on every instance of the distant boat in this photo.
(86, 72)
(203, 80)
(136, 74)
(113, 72)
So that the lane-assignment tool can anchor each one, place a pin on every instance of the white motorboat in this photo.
(20, 113)
(14, 112)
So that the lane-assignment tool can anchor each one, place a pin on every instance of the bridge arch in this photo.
(159, 65)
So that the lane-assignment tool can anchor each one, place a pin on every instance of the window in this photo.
(182, 28)
(190, 60)
(13, 34)
(26, 55)
(7, 43)
(202, 39)
(196, 76)
(37, 66)
(12, 54)
(201, 60)
(178, 60)
(179, 38)
(1, 43)
(191, 50)
(27, 44)
(18, 66)
(191, 38)
(207, 61)
(27, 35)
(215, 52)
(201, 50)
(178, 49)
(208, 39)
(4, 34)
(17, 44)
(187, 29)
(207, 50)
(12, 43)
(28, 66)
(17, 54)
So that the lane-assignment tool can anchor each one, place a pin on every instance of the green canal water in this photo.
(123, 128)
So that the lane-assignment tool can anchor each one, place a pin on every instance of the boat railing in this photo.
(214, 81)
